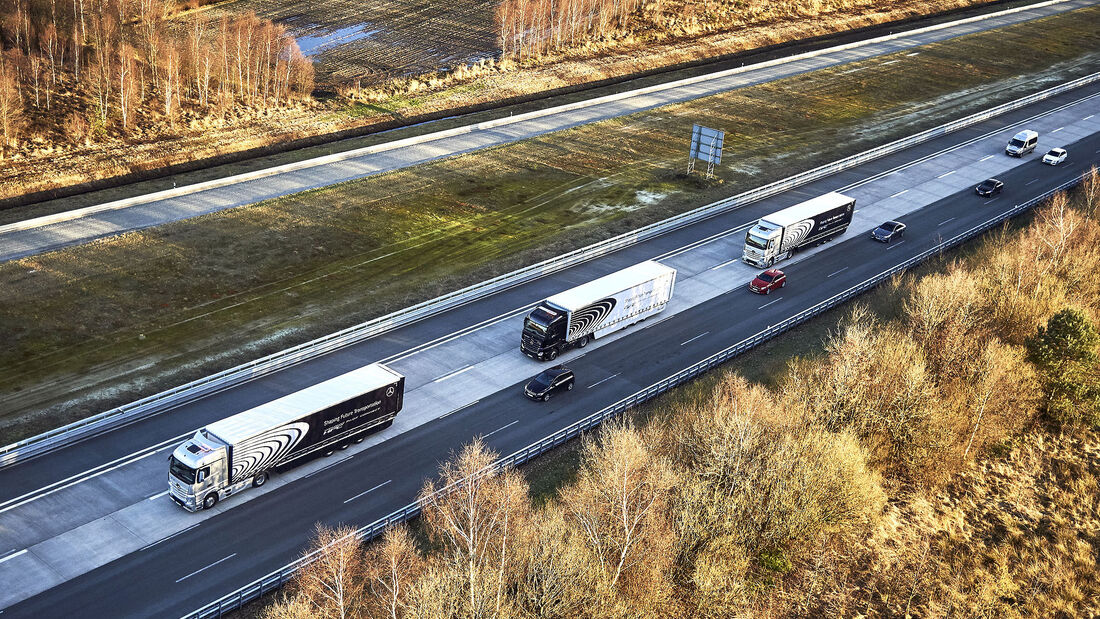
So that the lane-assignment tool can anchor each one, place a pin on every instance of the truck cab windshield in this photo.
(755, 241)
(540, 319)
(182, 472)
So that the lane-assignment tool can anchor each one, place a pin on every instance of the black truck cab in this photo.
(544, 333)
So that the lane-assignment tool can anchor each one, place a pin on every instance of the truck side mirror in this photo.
(201, 476)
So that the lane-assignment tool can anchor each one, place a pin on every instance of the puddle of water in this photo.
(312, 45)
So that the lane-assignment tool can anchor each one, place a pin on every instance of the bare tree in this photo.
(332, 585)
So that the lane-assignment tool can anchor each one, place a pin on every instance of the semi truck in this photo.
(775, 237)
(243, 450)
(576, 316)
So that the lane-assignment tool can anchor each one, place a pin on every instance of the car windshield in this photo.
(182, 472)
(1055, 153)
(1015, 142)
(755, 241)
(767, 277)
(988, 185)
(542, 381)
(884, 228)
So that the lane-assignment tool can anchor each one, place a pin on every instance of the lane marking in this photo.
(945, 222)
(453, 374)
(1057, 130)
(890, 246)
(993, 200)
(458, 409)
(157, 496)
(327, 466)
(890, 62)
(180, 532)
(728, 262)
(946, 174)
(913, 54)
(501, 428)
(206, 568)
(767, 304)
(837, 272)
(852, 70)
(1088, 117)
(367, 491)
(987, 157)
(73, 483)
(602, 381)
(1034, 180)
(694, 338)
(14, 555)
(899, 193)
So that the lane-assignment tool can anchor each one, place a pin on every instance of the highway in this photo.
(250, 535)
(36, 236)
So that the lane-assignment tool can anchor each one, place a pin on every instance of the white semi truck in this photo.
(592, 310)
(230, 455)
(775, 237)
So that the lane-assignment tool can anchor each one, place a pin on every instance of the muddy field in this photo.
(381, 39)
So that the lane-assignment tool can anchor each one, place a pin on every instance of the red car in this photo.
(767, 281)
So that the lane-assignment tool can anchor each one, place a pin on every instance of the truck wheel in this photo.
(345, 446)
(328, 452)
(210, 501)
(584, 341)
(553, 354)
(259, 479)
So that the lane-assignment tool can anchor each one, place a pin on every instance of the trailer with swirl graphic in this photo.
(243, 450)
(775, 237)
(579, 315)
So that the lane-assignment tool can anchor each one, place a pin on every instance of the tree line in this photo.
(97, 67)
(733, 490)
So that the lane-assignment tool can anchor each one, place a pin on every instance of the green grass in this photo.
(101, 324)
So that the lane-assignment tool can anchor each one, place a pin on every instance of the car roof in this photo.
(991, 180)
(892, 223)
(557, 370)
(1057, 150)
(773, 272)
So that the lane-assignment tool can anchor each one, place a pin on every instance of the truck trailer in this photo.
(592, 310)
(777, 236)
(230, 455)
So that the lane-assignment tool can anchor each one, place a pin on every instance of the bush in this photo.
(1065, 352)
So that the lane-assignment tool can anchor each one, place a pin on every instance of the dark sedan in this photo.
(990, 187)
(888, 231)
(549, 382)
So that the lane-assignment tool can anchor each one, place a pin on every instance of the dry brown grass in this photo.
(40, 167)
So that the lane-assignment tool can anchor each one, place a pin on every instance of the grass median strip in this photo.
(101, 324)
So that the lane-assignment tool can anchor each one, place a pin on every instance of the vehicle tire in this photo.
(768, 290)
(570, 387)
(259, 479)
(383, 426)
(783, 284)
(553, 354)
(584, 341)
(210, 501)
(361, 438)
(345, 446)
(546, 397)
(329, 452)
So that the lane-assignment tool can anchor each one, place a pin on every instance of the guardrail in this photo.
(151, 405)
(279, 577)
(489, 124)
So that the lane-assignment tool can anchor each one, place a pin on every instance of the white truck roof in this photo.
(587, 294)
(249, 423)
(1025, 134)
(804, 210)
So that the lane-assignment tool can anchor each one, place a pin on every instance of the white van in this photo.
(1022, 143)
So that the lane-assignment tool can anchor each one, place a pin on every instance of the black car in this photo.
(551, 381)
(888, 231)
(989, 187)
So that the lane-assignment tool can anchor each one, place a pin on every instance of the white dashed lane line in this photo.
(836, 272)
(946, 174)
(899, 193)
(694, 338)
(372, 489)
(767, 304)
(946, 221)
(602, 381)
(206, 568)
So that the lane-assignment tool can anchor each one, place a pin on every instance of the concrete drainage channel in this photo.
(279, 577)
(160, 402)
